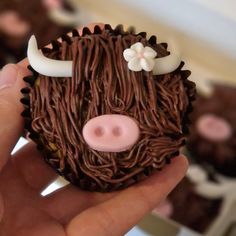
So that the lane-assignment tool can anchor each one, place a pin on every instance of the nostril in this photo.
(117, 131)
(99, 131)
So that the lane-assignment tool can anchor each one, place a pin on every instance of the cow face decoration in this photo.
(108, 108)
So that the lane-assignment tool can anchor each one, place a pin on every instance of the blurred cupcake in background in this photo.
(212, 139)
(19, 19)
(204, 198)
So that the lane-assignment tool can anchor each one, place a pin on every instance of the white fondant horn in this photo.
(65, 18)
(47, 66)
(207, 188)
(165, 65)
(214, 190)
(196, 174)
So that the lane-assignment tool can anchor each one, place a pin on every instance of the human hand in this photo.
(68, 211)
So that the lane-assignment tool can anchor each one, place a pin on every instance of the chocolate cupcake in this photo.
(213, 135)
(107, 108)
(19, 19)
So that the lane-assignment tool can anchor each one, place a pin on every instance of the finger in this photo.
(67, 202)
(34, 170)
(117, 215)
(11, 123)
(24, 63)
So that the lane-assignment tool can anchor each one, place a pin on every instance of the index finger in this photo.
(24, 63)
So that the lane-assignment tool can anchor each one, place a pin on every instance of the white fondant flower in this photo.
(140, 57)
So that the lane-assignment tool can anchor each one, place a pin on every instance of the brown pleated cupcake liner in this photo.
(84, 181)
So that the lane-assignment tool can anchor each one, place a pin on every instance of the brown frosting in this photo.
(221, 155)
(103, 84)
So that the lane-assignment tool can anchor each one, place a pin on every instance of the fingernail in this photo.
(8, 76)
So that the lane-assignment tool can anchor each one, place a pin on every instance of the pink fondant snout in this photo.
(111, 133)
(213, 128)
(52, 4)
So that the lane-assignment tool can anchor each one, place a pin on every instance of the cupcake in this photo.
(18, 23)
(107, 108)
(212, 140)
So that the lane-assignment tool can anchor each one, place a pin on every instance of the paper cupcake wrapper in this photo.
(85, 183)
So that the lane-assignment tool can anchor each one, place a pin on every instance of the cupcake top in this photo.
(108, 107)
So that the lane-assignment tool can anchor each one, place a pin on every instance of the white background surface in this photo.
(209, 20)
(222, 7)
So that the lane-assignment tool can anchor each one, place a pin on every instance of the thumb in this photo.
(11, 122)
